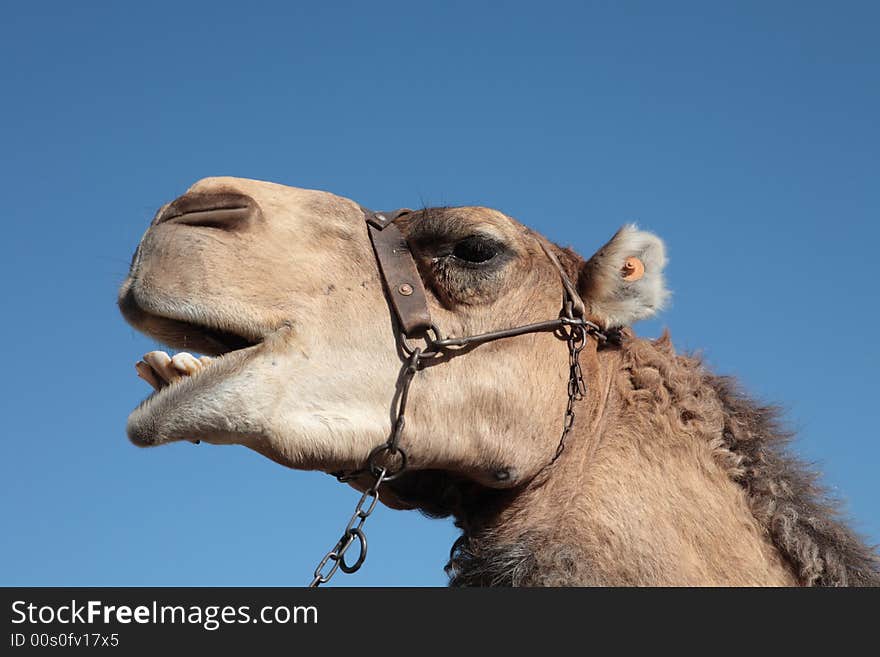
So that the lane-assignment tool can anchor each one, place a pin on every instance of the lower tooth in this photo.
(146, 372)
(185, 363)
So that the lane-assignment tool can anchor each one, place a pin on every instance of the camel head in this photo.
(280, 286)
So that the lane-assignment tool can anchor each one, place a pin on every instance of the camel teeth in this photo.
(186, 364)
(159, 369)
(161, 364)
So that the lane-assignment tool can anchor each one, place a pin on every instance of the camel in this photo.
(670, 474)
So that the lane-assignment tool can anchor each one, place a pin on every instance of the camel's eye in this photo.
(476, 249)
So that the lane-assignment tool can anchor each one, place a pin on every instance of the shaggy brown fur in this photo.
(804, 522)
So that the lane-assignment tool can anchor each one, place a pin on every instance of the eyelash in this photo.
(475, 251)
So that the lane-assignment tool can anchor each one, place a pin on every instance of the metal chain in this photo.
(577, 339)
(353, 530)
(381, 473)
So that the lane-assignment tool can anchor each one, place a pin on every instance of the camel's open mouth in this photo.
(193, 335)
(162, 371)
(181, 378)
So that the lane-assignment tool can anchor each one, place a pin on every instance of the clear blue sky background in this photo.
(746, 134)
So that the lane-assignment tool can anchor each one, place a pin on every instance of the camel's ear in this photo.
(623, 282)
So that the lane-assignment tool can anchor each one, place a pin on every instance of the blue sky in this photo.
(745, 134)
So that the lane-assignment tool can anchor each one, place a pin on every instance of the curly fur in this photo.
(805, 523)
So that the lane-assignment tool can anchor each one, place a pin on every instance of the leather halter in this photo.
(410, 303)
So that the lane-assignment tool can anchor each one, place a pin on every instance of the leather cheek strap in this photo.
(399, 272)
(578, 308)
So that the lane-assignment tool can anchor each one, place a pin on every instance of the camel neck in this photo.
(629, 502)
(529, 535)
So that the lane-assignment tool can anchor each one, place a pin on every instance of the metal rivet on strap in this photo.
(405, 289)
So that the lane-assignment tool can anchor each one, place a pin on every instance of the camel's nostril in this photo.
(224, 210)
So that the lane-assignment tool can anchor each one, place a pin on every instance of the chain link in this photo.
(380, 472)
(353, 531)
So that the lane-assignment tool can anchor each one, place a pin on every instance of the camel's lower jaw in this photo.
(199, 399)
(191, 401)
